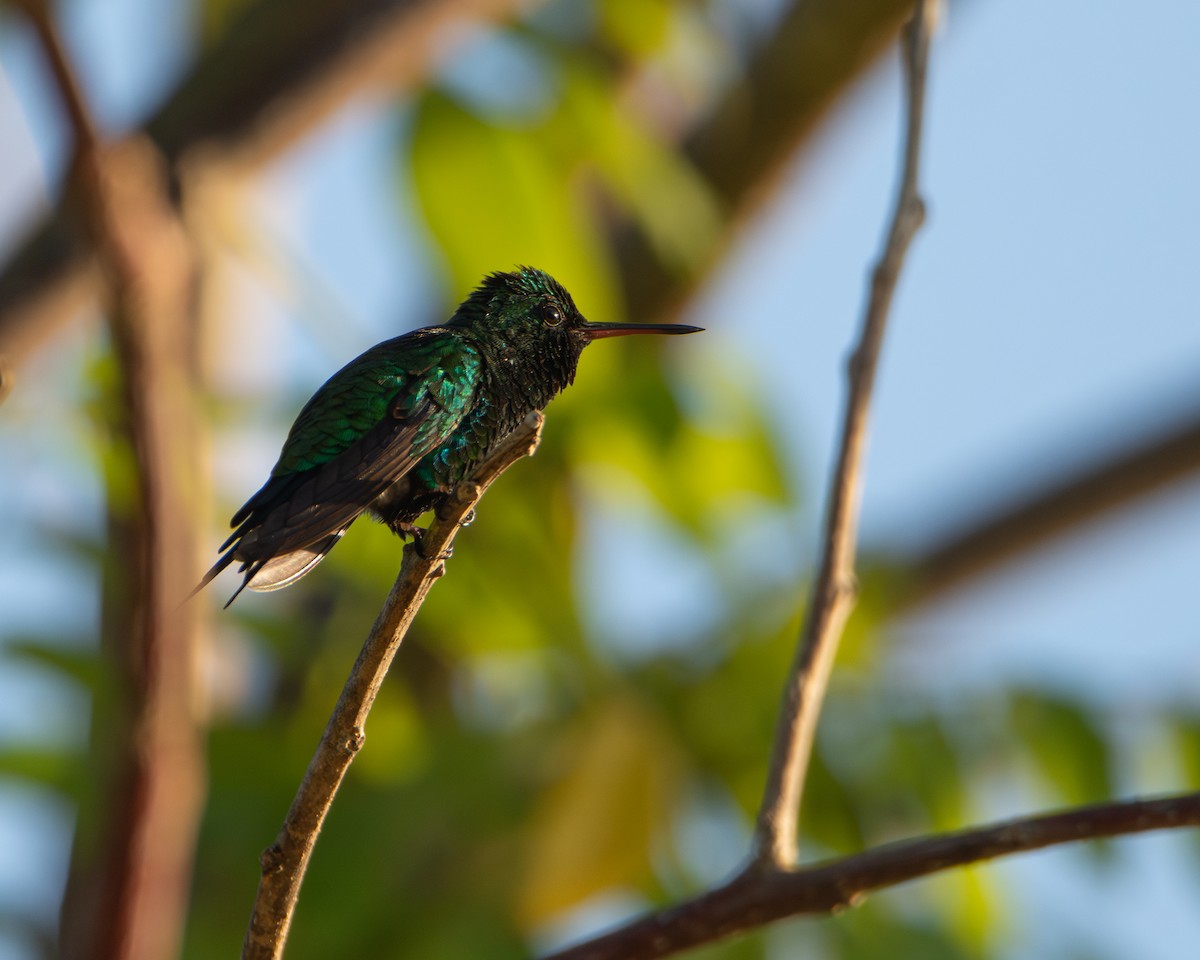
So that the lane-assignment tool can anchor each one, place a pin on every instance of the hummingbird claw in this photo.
(418, 541)
(406, 530)
(439, 569)
(418, 536)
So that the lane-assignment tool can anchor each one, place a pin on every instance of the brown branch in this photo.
(279, 72)
(285, 862)
(127, 894)
(759, 896)
(834, 588)
(1053, 512)
(284, 68)
(812, 56)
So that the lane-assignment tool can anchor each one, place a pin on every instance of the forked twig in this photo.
(755, 898)
(833, 591)
(285, 862)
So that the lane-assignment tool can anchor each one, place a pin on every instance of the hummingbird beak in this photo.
(598, 331)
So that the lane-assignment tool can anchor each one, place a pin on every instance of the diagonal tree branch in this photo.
(288, 64)
(286, 861)
(279, 72)
(128, 890)
(833, 590)
(755, 898)
(1142, 470)
(812, 56)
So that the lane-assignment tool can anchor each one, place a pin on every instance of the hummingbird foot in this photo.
(418, 544)
(406, 530)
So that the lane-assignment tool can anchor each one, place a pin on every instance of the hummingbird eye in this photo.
(551, 315)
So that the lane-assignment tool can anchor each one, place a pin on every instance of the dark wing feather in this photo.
(363, 430)
(330, 496)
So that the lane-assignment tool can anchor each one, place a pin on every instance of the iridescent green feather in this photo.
(389, 381)
(394, 430)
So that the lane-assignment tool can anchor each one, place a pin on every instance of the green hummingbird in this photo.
(398, 427)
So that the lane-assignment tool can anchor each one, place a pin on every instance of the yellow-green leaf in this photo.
(592, 829)
(1066, 746)
(495, 196)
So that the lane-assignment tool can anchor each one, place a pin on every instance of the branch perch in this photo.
(757, 897)
(834, 590)
(1058, 509)
(284, 863)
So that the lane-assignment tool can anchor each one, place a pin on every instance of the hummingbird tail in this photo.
(273, 573)
(287, 568)
(222, 562)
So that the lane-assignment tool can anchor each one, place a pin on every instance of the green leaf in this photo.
(654, 183)
(877, 930)
(1066, 745)
(638, 27)
(698, 469)
(864, 643)
(399, 748)
(830, 814)
(969, 900)
(924, 761)
(495, 196)
(594, 825)
(54, 768)
(1185, 736)
(76, 662)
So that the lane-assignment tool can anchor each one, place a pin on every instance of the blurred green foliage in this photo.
(515, 767)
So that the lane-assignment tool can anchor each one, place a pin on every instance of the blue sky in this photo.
(1047, 314)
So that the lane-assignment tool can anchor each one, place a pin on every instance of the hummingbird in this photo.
(398, 427)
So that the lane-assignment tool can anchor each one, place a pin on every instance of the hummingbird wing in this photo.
(363, 430)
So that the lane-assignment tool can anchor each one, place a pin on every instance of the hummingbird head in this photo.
(528, 311)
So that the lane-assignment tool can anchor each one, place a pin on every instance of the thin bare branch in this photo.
(757, 897)
(833, 591)
(284, 863)
(127, 899)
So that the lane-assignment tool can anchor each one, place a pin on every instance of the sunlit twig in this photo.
(833, 591)
(284, 863)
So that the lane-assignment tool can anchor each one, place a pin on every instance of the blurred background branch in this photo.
(132, 862)
(574, 733)
(1108, 485)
